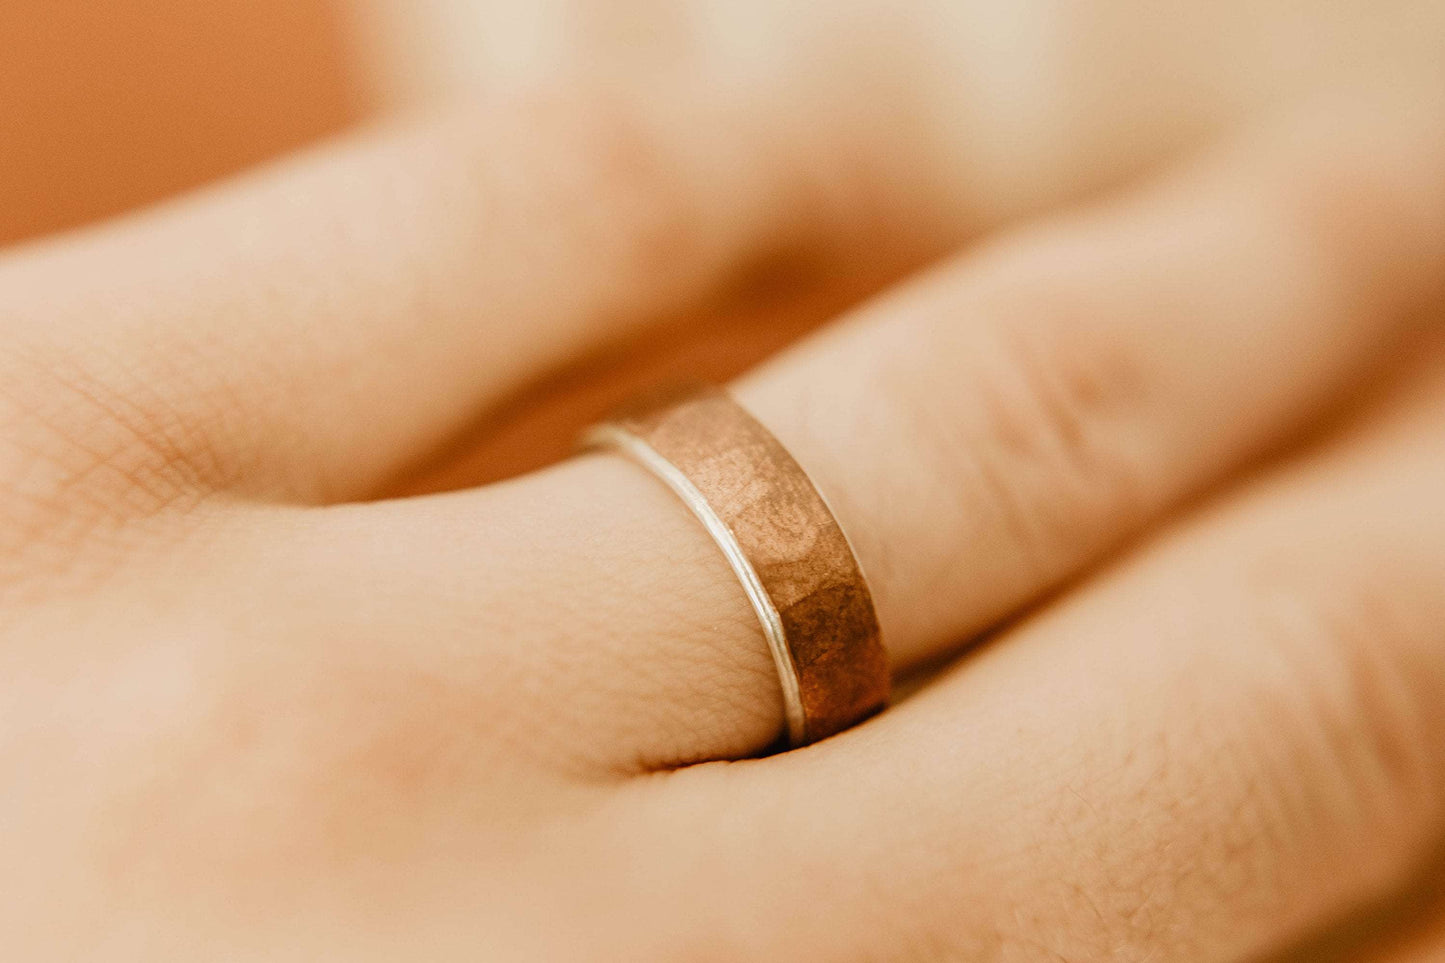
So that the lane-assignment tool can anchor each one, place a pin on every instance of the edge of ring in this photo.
(614, 436)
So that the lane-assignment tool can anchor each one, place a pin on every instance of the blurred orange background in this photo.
(104, 106)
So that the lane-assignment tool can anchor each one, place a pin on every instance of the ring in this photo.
(782, 540)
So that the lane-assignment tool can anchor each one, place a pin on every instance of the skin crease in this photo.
(250, 714)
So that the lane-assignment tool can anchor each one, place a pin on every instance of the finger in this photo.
(1225, 744)
(1067, 387)
(318, 327)
(981, 437)
(540, 426)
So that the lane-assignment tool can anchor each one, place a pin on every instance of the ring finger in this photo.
(982, 436)
(1222, 745)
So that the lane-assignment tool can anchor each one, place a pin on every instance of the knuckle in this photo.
(1038, 418)
(1350, 699)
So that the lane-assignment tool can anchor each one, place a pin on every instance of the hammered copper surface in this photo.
(793, 542)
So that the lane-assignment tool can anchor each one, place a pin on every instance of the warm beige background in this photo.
(106, 105)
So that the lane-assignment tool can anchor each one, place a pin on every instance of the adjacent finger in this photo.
(318, 327)
(1226, 743)
(540, 426)
(982, 436)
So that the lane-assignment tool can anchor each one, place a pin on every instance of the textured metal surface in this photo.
(780, 537)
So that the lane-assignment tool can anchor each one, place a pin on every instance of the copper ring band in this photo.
(783, 542)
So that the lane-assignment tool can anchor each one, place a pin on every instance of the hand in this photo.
(254, 710)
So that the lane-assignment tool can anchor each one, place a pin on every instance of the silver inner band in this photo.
(615, 437)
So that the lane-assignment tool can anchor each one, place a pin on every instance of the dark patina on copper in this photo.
(789, 536)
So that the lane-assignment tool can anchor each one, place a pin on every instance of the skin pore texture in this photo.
(1114, 345)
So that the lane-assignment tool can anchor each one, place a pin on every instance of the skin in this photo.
(1144, 465)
